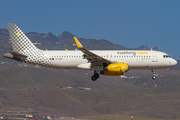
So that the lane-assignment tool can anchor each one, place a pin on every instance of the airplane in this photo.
(105, 62)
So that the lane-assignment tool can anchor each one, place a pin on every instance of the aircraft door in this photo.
(154, 57)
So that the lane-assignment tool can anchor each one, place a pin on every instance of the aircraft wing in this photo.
(91, 57)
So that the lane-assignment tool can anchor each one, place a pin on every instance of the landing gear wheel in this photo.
(154, 77)
(95, 77)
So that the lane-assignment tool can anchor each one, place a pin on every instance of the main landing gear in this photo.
(154, 75)
(95, 76)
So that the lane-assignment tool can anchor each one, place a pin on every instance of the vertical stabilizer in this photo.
(20, 41)
(24, 50)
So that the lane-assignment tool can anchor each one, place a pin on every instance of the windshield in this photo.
(166, 56)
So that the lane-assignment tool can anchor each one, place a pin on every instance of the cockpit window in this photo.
(165, 56)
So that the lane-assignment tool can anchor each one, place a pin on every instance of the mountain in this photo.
(106, 41)
(4, 32)
(36, 37)
(65, 41)
(142, 47)
(155, 48)
(65, 35)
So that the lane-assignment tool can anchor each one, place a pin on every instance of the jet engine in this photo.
(115, 69)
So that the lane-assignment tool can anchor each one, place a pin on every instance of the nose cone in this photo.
(173, 62)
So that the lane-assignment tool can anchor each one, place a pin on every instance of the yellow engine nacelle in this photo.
(115, 69)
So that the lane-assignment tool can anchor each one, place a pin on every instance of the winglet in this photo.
(78, 43)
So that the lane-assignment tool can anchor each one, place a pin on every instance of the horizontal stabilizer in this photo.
(17, 54)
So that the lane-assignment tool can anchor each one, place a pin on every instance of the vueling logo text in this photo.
(133, 52)
(142, 53)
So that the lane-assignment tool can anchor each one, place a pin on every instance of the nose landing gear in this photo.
(154, 75)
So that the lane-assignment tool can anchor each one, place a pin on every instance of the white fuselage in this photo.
(136, 59)
(106, 62)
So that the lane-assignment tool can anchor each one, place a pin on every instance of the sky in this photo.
(130, 23)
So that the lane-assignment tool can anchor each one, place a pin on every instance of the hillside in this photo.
(41, 89)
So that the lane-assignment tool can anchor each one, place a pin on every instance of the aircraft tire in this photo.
(153, 77)
(95, 77)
